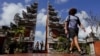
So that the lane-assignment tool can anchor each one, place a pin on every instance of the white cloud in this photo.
(9, 10)
(98, 32)
(60, 1)
(82, 16)
(41, 21)
(41, 17)
(27, 1)
(83, 34)
(43, 10)
(39, 36)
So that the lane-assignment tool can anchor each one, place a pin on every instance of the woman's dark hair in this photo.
(72, 11)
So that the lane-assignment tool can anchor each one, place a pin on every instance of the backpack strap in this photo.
(68, 21)
(78, 20)
(68, 18)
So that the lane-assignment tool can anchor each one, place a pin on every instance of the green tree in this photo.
(62, 43)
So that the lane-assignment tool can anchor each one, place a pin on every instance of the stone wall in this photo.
(97, 47)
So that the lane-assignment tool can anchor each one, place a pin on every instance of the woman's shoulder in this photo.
(73, 17)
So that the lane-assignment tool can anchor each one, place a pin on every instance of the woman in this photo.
(71, 28)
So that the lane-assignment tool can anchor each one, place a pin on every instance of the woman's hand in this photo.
(84, 29)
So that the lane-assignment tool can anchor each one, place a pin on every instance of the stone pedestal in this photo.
(92, 50)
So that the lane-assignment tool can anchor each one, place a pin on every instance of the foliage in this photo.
(15, 30)
(62, 39)
(62, 44)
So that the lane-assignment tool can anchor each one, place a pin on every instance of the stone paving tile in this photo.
(45, 54)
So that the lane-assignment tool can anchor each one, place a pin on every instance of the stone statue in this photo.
(17, 17)
(24, 14)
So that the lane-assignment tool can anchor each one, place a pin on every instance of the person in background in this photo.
(42, 45)
(37, 46)
(12, 46)
(71, 27)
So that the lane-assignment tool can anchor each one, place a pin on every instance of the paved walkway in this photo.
(43, 54)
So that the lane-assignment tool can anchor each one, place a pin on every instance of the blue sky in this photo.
(62, 6)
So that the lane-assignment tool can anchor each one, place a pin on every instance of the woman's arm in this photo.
(66, 23)
(65, 27)
(81, 26)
